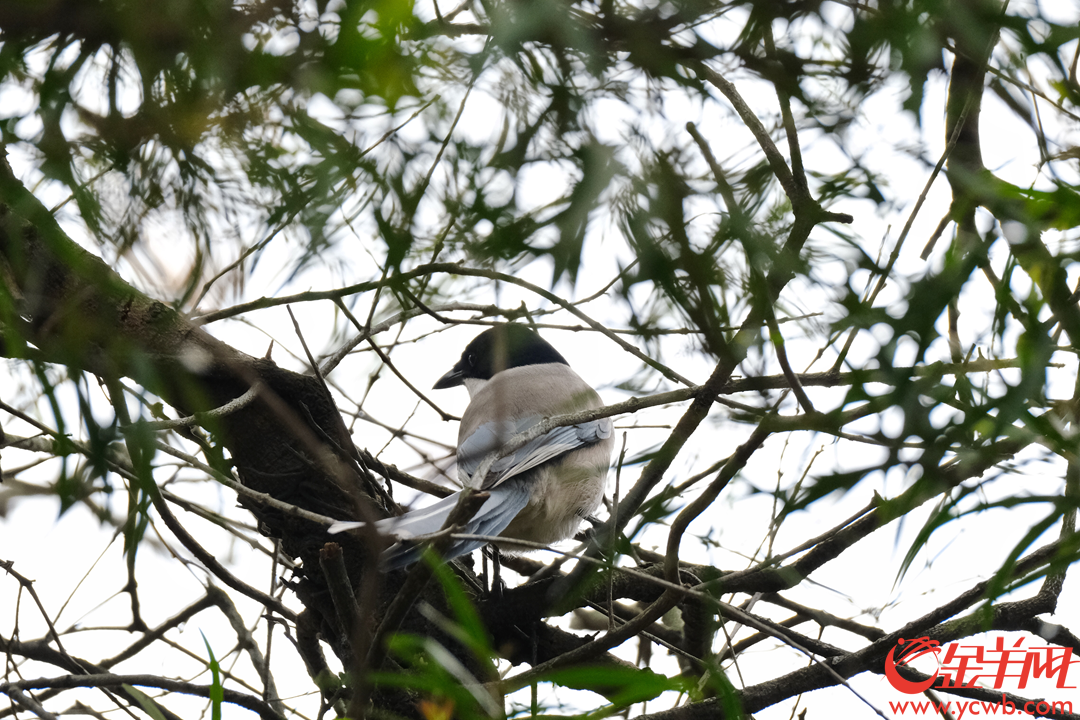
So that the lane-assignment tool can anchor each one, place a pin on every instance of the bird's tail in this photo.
(503, 505)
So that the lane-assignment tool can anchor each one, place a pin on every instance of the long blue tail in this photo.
(494, 516)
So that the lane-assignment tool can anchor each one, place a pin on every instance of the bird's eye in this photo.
(470, 359)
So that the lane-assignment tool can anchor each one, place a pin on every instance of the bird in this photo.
(543, 490)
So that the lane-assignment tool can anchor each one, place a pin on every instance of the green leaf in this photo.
(469, 628)
(145, 702)
(435, 671)
(622, 686)
(217, 691)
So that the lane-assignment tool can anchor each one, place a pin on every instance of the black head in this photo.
(499, 348)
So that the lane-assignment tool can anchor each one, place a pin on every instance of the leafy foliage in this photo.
(706, 193)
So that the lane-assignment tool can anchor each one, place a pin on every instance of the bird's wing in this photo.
(489, 437)
(491, 519)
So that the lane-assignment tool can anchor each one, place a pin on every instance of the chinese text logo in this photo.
(970, 666)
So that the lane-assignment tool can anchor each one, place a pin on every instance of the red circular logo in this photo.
(915, 648)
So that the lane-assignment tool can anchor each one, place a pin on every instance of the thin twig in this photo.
(108, 680)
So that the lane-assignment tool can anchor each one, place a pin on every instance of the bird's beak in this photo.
(451, 379)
